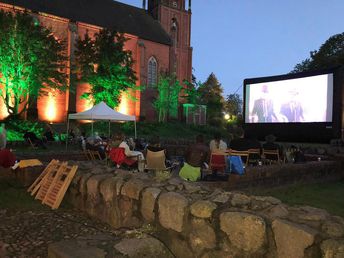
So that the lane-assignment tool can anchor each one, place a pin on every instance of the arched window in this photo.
(152, 72)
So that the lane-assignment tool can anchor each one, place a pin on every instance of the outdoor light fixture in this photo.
(227, 116)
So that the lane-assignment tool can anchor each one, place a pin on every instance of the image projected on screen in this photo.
(301, 100)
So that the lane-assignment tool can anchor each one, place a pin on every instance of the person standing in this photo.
(263, 107)
(293, 110)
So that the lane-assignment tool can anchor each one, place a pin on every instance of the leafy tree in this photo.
(31, 61)
(106, 66)
(191, 92)
(233, 104)
(211, 95)
(329, 55)
(167, 103)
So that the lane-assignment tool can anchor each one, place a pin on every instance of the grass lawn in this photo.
(328, 196)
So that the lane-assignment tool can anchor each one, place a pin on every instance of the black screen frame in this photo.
(300, 131)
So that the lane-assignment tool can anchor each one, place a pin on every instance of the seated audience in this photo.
(217, 143)
(127, 151)
(95, 143)
(197, 155)
(241, 143)
(119, 141)
(154, 144)
(271, 145)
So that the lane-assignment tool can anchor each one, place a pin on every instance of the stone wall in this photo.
(196, 221)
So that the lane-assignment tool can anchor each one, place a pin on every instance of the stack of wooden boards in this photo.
(51, 186)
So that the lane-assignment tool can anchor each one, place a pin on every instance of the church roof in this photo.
(104, 13)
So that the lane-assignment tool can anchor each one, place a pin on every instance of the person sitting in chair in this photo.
(95, 143)
(154, 144)
(217, 143)
(197, 155)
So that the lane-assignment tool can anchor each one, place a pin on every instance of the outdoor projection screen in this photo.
(299, 100)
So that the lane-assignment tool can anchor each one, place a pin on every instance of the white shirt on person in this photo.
(130, 153)
(217, 145)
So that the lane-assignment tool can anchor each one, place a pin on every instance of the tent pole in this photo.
(92, 127)
(67, 133)
(109, 129)
(135, 129)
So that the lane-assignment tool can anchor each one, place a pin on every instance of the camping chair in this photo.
(254, 156)
(218, 162)
(118, 157)
(271, 156)
(243, 155)
(93, 154)
(155, 160)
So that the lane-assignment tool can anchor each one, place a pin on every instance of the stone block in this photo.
(202, 209)
(82, 184)
(240, 200)
(132, 189)
(245, 231)
(93, 185)
(173, 211)
(333, 229)
(202, 236)
(143, 247)
(108, 189)
(292, 239)
(332, 248)
(149, 198)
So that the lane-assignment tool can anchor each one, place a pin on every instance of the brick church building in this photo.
(159, 38)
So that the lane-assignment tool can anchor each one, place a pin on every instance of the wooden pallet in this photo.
(37, 183)
(53, 183)
(48, 180)
(59, 186)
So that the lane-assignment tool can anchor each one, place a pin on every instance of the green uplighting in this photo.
(31, 61)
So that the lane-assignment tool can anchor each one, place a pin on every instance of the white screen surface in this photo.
(300, 100)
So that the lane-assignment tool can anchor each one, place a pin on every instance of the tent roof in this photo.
(101, 111)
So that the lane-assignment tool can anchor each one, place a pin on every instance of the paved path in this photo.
(28, 233)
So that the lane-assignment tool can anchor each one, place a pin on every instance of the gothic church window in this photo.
(152, 72)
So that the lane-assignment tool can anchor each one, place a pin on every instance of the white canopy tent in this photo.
(101, 112)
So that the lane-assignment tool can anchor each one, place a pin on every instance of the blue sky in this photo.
(238, 39)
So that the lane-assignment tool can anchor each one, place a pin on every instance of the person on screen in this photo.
(292, 109)
(263, 108)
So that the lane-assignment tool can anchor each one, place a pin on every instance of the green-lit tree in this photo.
(191, 93)
(106, 66)
(167, 102)
(233, 104)
(31, 61)
(211, 95)
(329, 55)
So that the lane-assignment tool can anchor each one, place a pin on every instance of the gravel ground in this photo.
(28, 233)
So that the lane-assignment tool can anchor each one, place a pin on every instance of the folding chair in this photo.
(243, 155)
(254, 156)
(218, 162)
(94, 155)
(155, 160)
(271, 156)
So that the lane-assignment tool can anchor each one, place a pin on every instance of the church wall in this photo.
(161, 53)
